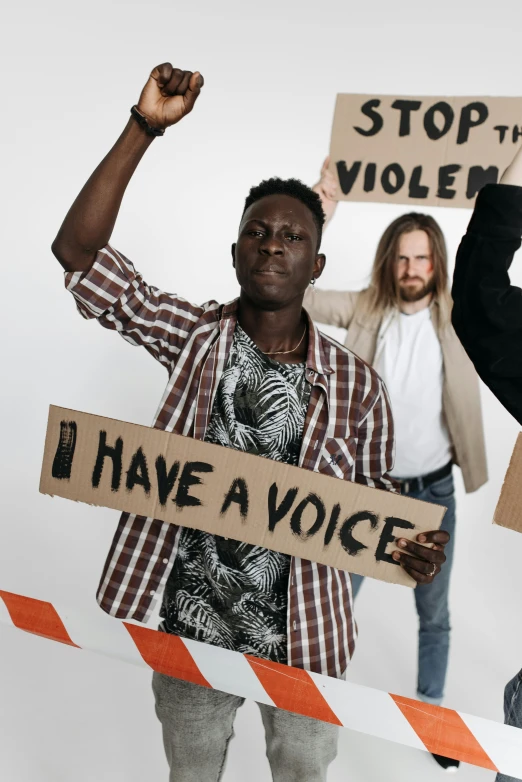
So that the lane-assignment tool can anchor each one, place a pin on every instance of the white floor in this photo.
(64, 717)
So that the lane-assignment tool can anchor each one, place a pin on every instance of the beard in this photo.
(416, 294)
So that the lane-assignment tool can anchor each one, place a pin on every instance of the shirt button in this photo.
(294, 625)
(152, 592)
(165, 561)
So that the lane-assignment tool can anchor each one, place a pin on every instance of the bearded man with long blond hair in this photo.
(401, 325)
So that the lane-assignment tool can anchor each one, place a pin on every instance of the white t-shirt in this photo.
(409, 360)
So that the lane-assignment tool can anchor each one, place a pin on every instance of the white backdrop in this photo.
(70, 72)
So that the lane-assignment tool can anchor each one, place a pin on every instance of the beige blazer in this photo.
(460, 397)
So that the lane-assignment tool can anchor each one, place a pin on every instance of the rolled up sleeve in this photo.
(114, 293)
(98, 289)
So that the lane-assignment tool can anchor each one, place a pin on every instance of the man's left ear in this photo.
(234, 255)
(320, 261)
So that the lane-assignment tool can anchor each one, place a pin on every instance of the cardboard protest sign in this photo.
(248, 498)
(508, 512)
(422, 150)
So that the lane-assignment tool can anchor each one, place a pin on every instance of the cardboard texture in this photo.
(508, 512)
(424, 151)
(184, 481)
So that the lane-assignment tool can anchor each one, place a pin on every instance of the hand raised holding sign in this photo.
(169, 95)
(327, 185)
(327, 190)
(426, 562)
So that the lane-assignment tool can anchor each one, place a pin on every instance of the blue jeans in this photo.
(432, 602)
(512, 713)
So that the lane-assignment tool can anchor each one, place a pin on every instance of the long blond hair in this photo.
(384, 289)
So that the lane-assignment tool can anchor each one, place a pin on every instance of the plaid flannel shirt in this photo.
(348, 434)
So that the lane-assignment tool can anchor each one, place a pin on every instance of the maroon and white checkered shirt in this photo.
(348, 434)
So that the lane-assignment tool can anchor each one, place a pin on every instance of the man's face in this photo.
(276, 252)
(414, 266)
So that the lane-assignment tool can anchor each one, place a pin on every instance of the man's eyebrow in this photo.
(289, 225)
(254, 220)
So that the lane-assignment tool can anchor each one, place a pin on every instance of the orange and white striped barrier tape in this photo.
(436, 729)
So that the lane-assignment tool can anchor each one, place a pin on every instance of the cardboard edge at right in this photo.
(508, 512)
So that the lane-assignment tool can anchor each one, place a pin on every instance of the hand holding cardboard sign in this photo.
(182, 480)
(327, 190)
(513, 173)
(169, 95)
(426, 562)
(327, 185)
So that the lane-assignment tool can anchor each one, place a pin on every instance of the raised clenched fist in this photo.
(169, 94)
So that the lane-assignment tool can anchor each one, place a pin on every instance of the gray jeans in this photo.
(198, 724)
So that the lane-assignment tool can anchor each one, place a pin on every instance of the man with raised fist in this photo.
(255, 375)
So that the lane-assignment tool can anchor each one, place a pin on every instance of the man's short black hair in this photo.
(294, 188)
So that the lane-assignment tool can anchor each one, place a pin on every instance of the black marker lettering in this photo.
(516, 133)
(478, 177)
(62, 462)
(347, 178)
(416, 189)
(138, 472)
(466, 123)
(187, 479)
(368, 109)
(278, 512)
(447, 178)
(113, 453)
(238, 492)
(406, 107)
(295, 521)
(387, 537)
(369, 177)
(502, 130)
(398, 173)
(166, 480)
(346, 537)
(332, 524)
(432, 131)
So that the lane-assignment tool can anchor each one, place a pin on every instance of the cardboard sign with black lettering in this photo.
(248, 498)
(422, 150)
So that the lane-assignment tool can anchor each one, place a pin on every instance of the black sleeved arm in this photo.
(487, 309)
